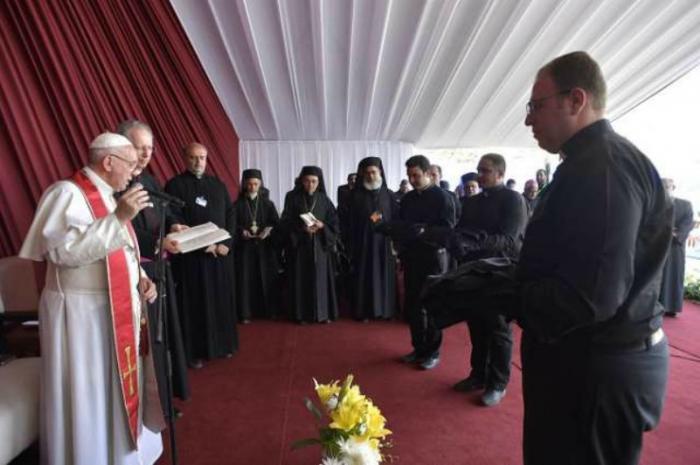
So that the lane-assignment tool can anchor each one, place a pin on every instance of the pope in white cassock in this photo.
(99, 400)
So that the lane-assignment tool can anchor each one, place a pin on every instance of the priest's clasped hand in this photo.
(314, 228)
(375, 217)
(131, 203)
(147, 289)
(217, 250)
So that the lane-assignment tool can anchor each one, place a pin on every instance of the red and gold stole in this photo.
(121, 308)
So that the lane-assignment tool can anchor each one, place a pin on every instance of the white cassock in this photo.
(83, 420)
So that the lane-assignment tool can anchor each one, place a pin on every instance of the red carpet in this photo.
(248, 410)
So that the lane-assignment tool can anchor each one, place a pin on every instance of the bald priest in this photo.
(99, 398)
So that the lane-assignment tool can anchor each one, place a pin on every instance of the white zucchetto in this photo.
(109, 140)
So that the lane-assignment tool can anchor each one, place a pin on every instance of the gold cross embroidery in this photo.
(130, 370)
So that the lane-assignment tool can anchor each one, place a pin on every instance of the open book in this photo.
(200, 236)
(308, 218)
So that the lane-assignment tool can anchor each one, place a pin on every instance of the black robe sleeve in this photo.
(683, 220)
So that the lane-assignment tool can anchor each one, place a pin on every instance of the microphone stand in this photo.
(162, 333)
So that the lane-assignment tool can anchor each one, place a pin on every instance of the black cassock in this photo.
(257, 282)
(373, 261)
(310, 261)
(205, 283)
(147, 228)
(671, 295)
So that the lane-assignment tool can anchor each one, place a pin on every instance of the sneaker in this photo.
(410, 358)
(493, 397)
(430, 362)
(469, 384)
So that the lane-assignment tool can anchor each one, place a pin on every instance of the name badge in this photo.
(201, 201)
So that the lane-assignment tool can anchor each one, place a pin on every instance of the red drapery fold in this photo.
(72, 69)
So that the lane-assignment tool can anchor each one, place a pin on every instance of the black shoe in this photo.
(468, 385)
(196, 364)
(429, 363)
(671, 314)
(410, 358)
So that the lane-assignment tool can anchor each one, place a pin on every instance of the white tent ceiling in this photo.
(429, 72)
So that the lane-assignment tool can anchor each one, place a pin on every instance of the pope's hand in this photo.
(222, 250)
(147, 289)
(211, 249)
(131, 203)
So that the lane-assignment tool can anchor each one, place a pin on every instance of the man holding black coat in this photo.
(496, 219)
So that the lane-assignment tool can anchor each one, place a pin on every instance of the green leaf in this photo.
(312, 408)
(305, 443)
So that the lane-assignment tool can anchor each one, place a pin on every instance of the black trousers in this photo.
(585, 405)
(417, 268)
(492, 349)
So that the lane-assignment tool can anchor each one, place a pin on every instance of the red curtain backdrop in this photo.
(71, 69)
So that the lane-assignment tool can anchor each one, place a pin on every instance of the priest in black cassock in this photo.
(374, 263)
(205, 277)
(147, 228)
(257, 282)
(672, 286)
(310, 247)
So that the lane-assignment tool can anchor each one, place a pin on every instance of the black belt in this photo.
(633, 346)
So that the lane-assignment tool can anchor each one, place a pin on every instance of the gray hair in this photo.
(129, 124)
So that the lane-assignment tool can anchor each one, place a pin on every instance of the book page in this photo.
(194, 231)
(308, 218)
(199, 237)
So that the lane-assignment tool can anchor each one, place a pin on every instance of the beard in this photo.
(373, 185)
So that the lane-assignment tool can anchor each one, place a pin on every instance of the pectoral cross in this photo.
(130, 370)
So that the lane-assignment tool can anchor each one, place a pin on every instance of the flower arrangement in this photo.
(356, 433)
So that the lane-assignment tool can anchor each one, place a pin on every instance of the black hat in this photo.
(252, 173)
(311, 170)
(466, 177)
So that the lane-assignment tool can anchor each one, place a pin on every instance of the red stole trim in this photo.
(121, 307)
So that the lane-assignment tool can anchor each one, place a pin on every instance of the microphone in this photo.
(163, 197)
(158, 195)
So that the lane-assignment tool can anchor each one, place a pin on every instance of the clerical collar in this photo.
(194, 175)
(252, 195)
(490, 190)
(100, 183)
(582, 139)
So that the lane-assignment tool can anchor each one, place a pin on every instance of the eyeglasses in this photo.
(130, 163)
(533, 105)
